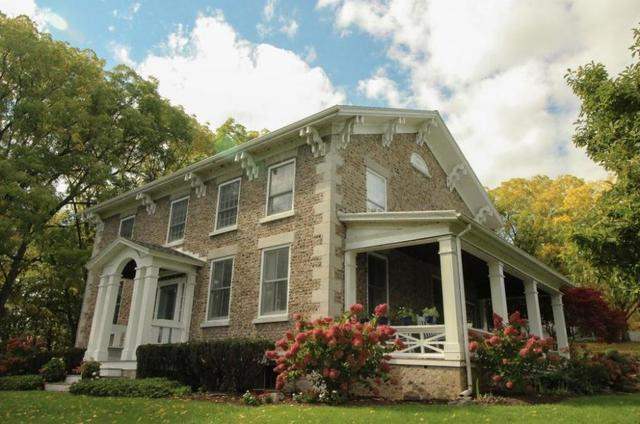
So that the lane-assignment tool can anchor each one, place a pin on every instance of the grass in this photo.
(46, 407)
(628, 347)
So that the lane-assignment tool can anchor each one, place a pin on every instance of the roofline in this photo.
(447, 216)
(337, 110)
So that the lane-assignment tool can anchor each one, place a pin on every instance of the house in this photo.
(351, 204)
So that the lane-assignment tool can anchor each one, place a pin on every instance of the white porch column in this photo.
(559, 323)
(97, 314)
(189, 288)
(109, 285)
(533, 307)
(133, 324)
(350, 278)
(498, 294)
(452, 298)
(147, 304)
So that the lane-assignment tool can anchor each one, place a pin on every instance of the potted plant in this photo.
(405, 315)
(431, 315)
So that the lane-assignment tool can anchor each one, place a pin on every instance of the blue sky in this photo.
(494, 68)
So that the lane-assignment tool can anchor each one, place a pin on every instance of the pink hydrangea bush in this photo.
(337, 354)
(511, 359)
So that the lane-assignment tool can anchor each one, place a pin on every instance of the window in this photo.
(280, 188)
(377, 281)
(126, 226)
(376, 192)
(227, 210)
(167, 296)
(220, 289)
(275, 281)
(116, 311)
(177, 219)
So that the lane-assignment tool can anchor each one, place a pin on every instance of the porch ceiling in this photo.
(375, 230)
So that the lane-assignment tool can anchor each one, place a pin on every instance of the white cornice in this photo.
(196, 183)
(313, 140)
(147, 202)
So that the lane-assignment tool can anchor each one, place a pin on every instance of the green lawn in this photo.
(45, 407)
(632, 348)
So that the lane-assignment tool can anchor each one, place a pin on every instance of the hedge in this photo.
(21, 382)
(126, 387)
(229, 365)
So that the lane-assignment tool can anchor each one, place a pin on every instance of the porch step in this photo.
(110, 372)
(72, 378)
(57, 387)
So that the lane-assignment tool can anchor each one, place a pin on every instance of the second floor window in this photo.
(376, 192)
(280, 188)
(227, 210)
(220, 289)
(126, 227)
(177, 219)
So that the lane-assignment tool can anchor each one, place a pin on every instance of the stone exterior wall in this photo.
(246, 278)
(125, 302)
(424, 383)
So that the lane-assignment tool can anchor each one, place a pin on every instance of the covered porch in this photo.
(445, 261)
(145, 294)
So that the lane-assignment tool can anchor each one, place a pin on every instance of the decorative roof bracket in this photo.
(455, 175)
(95, 219)
(482, 214)
(196, 183)
(248, 164)
(424, 130)
(314, 140)
(347, 130)
(147, 202)
(391, 130)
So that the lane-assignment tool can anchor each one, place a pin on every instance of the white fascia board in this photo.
(411, 216)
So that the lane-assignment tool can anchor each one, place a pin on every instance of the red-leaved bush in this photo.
(509, 358)
(334, 355)
(587, 311)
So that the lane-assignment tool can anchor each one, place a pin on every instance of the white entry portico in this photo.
(159, 309)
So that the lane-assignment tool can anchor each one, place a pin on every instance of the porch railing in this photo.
(422, 342)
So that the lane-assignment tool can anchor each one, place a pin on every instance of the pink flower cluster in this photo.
(342, 351)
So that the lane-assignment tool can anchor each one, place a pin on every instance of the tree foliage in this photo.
(608, 128)
(71, 134)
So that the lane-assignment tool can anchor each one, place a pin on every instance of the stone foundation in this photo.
(423, 383)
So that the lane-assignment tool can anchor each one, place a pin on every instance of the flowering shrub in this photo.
(335, 355)
(511, 359)
(54, 370)
(23, 355)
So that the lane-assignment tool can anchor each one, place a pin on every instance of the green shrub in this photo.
(27, 355)
(21, 382)
(125, 387)
(54, 370)
(230, 365)
(89, 370)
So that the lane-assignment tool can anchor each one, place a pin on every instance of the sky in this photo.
(495, 69)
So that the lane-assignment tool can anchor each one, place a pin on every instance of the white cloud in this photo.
(269, 9)
(289, 28)
(310, 54)
(215, 74)
(381, 87)
(121, 53)
(496, 70)
(272, 20)
(44, 18)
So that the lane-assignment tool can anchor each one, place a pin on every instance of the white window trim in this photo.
(221, 321)
(168, 322)
(284, 214)
(228, 228)
(132, 228)
(386, 259)
(280, 316)
(386, 188)
(186, 218)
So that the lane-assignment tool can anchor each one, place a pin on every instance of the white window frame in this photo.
(278, 316)
(186, 218)
(291, 211)
(179, 281)
(220, 321)
(126, 218)
(386, 260)
(386, 189)
(217, 230)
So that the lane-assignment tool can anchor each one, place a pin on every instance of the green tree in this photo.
(71, 134)
(608, 128)
(232, 133)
